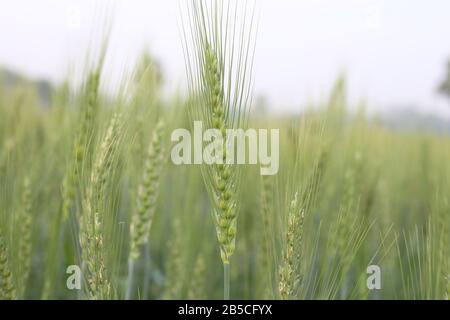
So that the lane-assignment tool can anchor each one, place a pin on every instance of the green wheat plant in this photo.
(91, 221)
(218, 43)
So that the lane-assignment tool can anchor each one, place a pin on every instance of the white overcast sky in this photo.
(394, 52)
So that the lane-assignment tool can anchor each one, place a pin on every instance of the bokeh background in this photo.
(393, 53)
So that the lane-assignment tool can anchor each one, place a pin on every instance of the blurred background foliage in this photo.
(376, 193)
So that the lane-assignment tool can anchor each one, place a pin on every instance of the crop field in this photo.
(94, 206)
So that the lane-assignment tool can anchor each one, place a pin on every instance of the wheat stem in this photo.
(226, 281)
(130, 279)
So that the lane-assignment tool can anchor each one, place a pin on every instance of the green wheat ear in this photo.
(7, 288)
(289, 277)
(142, 218)
(91, 221)
(25, 240)
(148, 192)
(82, 145)
(218, 48)
(223, 182)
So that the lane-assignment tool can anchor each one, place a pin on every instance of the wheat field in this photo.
(87, 184)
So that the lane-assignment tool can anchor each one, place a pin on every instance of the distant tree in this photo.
(445, 86)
